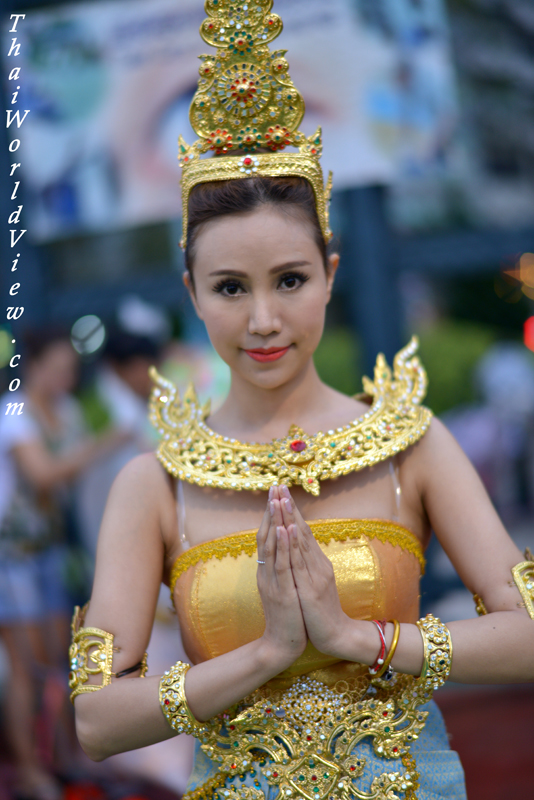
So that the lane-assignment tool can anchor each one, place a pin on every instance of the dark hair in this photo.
(208, 201)
(37, 341)
(123, 346)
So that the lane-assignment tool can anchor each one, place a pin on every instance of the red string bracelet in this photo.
(381, 628)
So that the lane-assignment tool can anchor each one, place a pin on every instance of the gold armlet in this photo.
(523, 575)
(437, 645)
(174, 704)
(91, 653)
(480, 608)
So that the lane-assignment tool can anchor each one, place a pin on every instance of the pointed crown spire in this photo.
(247, 102)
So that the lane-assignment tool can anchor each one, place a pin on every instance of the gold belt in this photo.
(303, 739)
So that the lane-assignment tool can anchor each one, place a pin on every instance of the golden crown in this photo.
(247, 102)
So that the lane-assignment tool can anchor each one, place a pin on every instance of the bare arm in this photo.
(44, 470)
(137, 521)
(497, 648)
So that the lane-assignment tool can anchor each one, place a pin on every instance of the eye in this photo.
(228, 288)
(293, 280)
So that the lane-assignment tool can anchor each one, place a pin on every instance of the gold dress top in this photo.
(377, 565)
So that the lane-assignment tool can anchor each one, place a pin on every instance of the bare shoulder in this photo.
(143, 489)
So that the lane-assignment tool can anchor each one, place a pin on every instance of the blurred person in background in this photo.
(42, 449)
(118, 398)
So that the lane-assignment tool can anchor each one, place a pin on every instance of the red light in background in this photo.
(528, 333)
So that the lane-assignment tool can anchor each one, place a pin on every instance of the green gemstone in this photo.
(387, 730)
(332, 444)
(326, 776)
(315, 788)
(271, 455)
(302, 777)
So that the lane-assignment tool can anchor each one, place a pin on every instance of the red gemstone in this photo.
(352, 769)
(298, 446)
(395, 749)
(310, 480)
(314, 777)
(309, 738)
(167, 702)
(232, 727)
(268, 710)
(275, 774)
(384, 713)
(247, 161)
(233, 766)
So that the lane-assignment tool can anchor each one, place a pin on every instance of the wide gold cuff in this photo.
(523, 575)
(174, 702)
(91, 653)
(437, 644)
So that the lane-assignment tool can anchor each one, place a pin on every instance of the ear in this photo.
(188, 283)
(331, 269)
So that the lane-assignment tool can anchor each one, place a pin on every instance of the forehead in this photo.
(265, 236)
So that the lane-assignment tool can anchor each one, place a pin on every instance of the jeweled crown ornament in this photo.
(247, 102)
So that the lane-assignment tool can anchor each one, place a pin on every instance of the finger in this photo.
(284, 575)
(267, 553)
(298, 564)
(263, 530)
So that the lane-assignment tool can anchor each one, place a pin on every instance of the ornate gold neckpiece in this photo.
(246, 102)
(193, 452)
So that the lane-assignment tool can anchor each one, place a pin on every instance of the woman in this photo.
(297, 688)
(42, 448)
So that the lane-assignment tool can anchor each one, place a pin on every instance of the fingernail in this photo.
(270, 492)
(271, 507)
(285, 491)
(278, 531)
(287, 504)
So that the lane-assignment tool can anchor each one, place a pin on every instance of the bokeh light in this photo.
(88, 334)
(6, 347)
(528, 333)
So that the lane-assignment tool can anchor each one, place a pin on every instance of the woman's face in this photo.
(261, 289)
(55, 371)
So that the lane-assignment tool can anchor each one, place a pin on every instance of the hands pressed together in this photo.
(296, 583)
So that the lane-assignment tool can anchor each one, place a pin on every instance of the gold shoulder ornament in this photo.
(247, 103)
(523, 575)
(191, 451)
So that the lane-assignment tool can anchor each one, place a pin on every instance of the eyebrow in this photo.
(274, 271)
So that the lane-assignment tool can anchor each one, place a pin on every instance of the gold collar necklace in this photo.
(191, 451)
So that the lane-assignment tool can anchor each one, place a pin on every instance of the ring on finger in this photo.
(259, 562)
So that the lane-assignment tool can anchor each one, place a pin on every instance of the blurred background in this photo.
(427, 109)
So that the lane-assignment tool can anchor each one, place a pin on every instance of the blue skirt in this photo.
(440, 771)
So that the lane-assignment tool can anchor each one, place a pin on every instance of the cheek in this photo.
(224, 324)
(307, 319)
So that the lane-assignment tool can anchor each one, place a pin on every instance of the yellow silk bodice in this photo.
(377, 566)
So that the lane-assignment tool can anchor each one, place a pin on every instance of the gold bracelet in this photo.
(174, 703)
(523, 575)
(394, 642)
(480, 608)
(437, 648)
(93, 646)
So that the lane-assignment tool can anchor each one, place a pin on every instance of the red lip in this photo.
(267, 354)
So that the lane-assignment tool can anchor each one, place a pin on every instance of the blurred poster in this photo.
(109, 85)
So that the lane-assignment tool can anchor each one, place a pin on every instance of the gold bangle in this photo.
(174, 703)
(523, 575)
(91, 653)
(437, 648)
(394, 642)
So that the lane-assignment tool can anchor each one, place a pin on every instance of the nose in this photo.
(264, 318)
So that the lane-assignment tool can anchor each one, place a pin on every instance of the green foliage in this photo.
(338, 360)
(450, 351)
(95, 413)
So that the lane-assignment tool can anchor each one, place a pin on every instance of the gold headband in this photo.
(247, 102)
